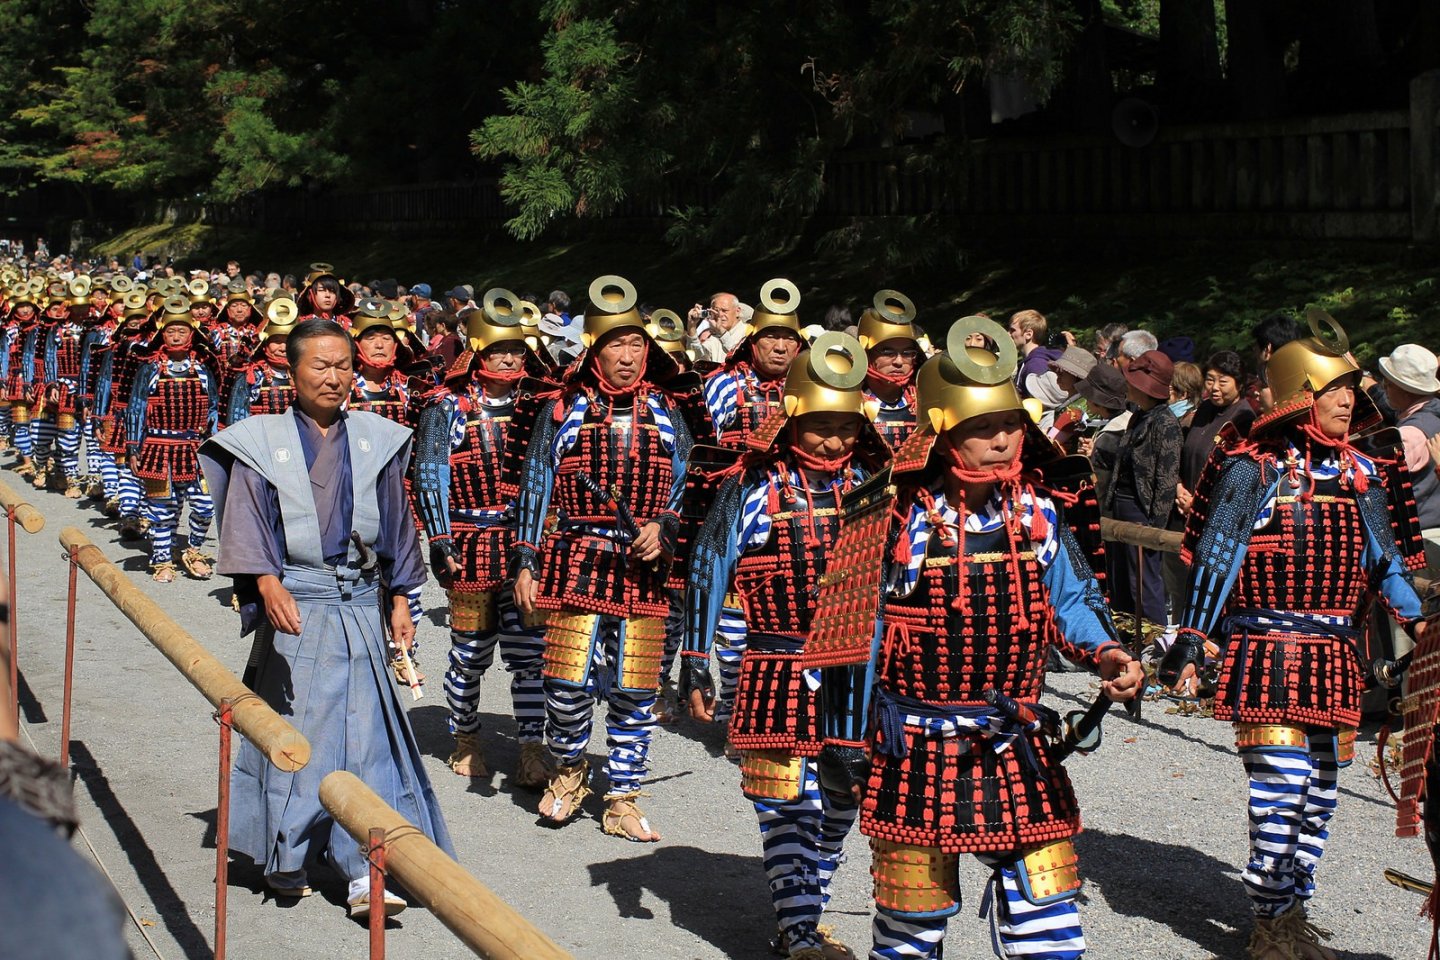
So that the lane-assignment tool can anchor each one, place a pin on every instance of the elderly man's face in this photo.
(724, 312)
(377, 347)
(324, 373)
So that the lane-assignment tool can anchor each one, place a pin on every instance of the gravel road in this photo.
(1163, 803)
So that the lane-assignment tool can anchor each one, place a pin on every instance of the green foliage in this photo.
(731, 113)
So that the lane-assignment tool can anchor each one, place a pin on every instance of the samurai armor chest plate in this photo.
(779, 582)
(392, 403)
(775, 708)
(476, 465)
(67, 353)
(895, 425)
(752, 408)
(957, 794)
(271, 396)
(176, 417)
(936, 652)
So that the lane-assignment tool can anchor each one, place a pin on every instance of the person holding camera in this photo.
(712, 333)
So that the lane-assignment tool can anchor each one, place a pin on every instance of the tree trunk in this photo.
(1189, 53)
(1255, 60)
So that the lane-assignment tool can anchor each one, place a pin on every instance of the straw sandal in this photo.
(568, 786)
(624, 818)
(163, 572)
(532, 770)
(1271, 939)
(468, 757)
(197, 563)
(1307, 936)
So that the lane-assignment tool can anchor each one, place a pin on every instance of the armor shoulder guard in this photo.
(460, 368)
(1388, 450)
(531, 399)
(687, 396)
(706, 471)
(1226, 442)
(848, 604)
(1073, 478)
(705, 367)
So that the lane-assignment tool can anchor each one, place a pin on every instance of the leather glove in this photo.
(840, 768)
(440, 551)
(1188, 648)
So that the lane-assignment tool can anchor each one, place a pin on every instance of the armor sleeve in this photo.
(1220, 549)
(720, 398)
(537, 480)
(237, 408)
(88, 343)
(1086, 630)
(27, 357)
(1393, 584)
(103, 384)
(212, 399)
(680, 461)
(432, 469)
(712, 562)
(52, 354)
(135, 410)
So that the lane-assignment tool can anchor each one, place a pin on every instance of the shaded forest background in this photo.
(730, 112)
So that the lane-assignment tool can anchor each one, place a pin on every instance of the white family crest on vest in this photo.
(364, 445)
(282, 455)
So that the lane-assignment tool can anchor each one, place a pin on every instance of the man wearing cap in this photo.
(562, 329)
(608, 454)
(1289, 533)
(1067, 414)
(1411, 387)
(771, 528)
(174, 405)
(461, 300)
(1142, 488)
(421, 306)
(468, 510)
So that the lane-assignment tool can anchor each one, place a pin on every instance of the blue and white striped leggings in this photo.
(130, 491)
(1018, 928)
(731, 639)
(629, 721)
(48, 436)
(1292, 798)
(471, 654)
(801, 841)
(164, 516)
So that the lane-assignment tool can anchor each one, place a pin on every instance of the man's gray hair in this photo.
(1137, 342)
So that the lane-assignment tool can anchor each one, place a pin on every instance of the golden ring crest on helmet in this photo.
(613, 294)
(837, 360)
(80, 287)
(320, 269)
(1337, 341)
(122, 284)
(780, 296)
(281, 311)
(1005, 362)
(396, 311)
(501, 307)
(198, 287)
(894, 307)
(135, 302)
(374, 307)
(666, 325)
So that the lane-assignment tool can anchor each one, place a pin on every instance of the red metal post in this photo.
(222, 829)
(14, 626)
(69, 661)
(377, 893)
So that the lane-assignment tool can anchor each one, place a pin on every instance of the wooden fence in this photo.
(1349, 176)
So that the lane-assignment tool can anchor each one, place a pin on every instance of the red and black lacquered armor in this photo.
(755, 402)
(177, 419)
(775, 709)
(955, 792)
(1307, 559)
(128, 357)
(266, 393)
(475, 468)
(895, 424)
(14, 387)
(67, 351)
(391, 402)
(592, 573)
(233, 344)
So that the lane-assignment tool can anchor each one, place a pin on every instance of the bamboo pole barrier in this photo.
(31, 519)
(1139, 535)
(285, 746)
(483, 922)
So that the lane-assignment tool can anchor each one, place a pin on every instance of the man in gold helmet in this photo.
(1288, 533)
(21, 322)
(891, 340)
(118, 366)
(746, 389)
(262, 386)
(174, 406)
(468, 510)
(930, 697)
(771, 528)
(608, 454)
(57, 428)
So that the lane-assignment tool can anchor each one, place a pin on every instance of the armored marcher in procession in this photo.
(465, 497)
(1289, 534)
(316, 531)
(745, 391)
(56, 428)
(174, 406)
(236, 331)
(325, 296)
(102, 474)
(21, 321)
(771, 528)
(263, 384)
(955, 571)
(892, 342)
(116, 377)
(607, 453)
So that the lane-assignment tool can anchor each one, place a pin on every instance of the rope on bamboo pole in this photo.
(285, 746)
(474, 913)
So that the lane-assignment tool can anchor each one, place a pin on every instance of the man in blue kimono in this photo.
(315, 530)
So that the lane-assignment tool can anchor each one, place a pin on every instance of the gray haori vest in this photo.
(270, 445)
